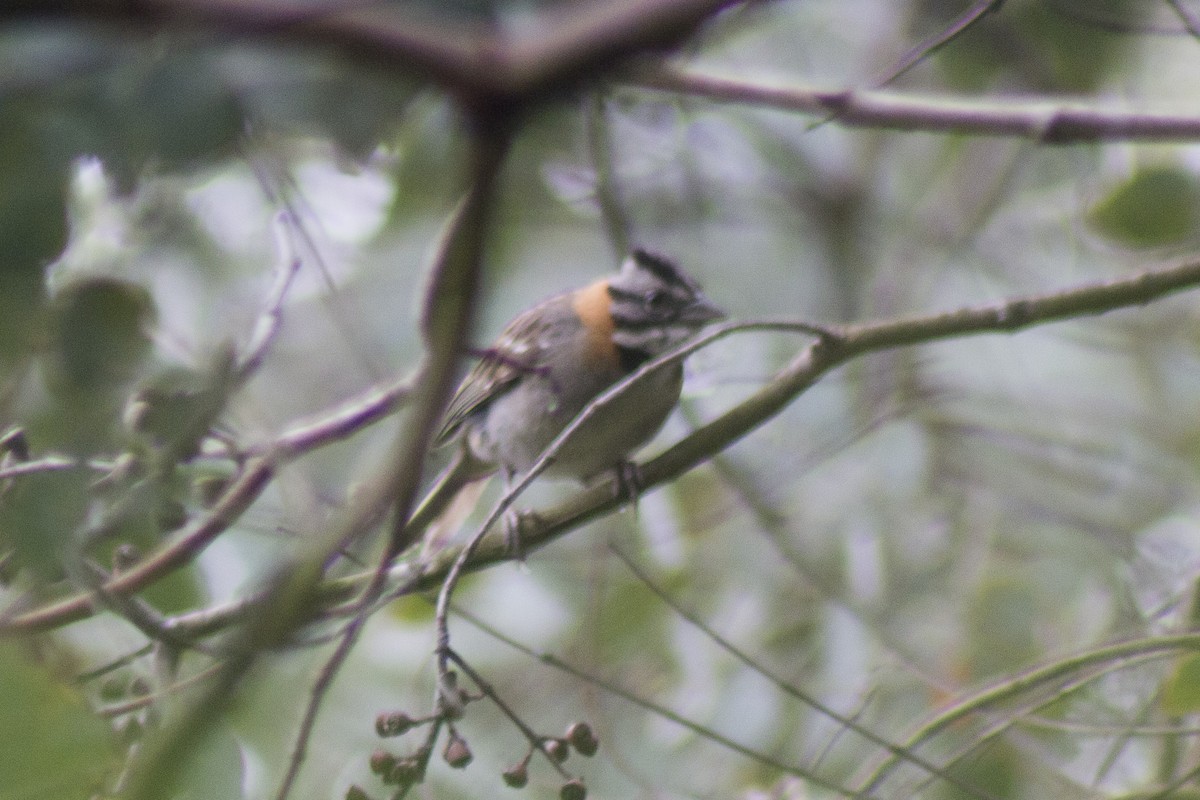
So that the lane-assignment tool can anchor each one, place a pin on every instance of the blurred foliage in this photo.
(33, 223)
(98, 335)
(919, 526)
(37, 518)
(52, 745)
(1036, 45)
(1157, 206)
(1181, 692)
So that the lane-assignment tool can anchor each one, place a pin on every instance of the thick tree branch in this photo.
(562, 46)
(839, 345)
(572, 43)
(256, 475)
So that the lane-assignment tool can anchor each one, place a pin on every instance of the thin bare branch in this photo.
(656, 708)
(770, 523)
(351, 418)
(1168, 791)
(340, 423)
(1045, 122)
(1030, 705)
(899, 752)
(278, 184)
(288, 603)
(137, 612)
(185, 546)
(50, 463)
(115, 664)
(147, 700)
(1107, 657)
(269, 320)
(536, 742)
(1103, 731)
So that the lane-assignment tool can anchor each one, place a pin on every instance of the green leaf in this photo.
(1001, 618)
(50, 744)
(175, 410)
(1181, 692)
(99, 333)
(39, 516)
(33, 227)
(1157, 206)
(1033, 45)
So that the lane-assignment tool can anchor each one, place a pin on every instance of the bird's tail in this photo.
(447, 505)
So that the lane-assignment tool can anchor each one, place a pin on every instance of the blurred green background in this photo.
(919, 524)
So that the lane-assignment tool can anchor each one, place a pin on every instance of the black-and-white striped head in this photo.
(656, 305)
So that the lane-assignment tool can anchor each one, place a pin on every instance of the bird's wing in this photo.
(515, 353)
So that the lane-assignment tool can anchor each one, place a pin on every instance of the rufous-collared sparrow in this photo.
(554, 359)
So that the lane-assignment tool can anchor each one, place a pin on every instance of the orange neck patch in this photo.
(593, 305)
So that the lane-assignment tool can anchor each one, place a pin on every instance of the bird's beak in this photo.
(702, 310)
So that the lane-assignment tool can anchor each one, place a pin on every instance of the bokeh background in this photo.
(921, 525)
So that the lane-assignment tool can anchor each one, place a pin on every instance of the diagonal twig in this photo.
(659, 709)
(1189, 18)
(931, 44)
(267, 325)
(1105, 657)
(448, 313)
(898, 751)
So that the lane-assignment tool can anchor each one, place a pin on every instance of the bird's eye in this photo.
(654, 298)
